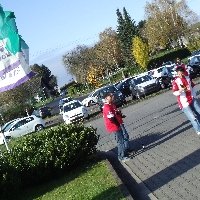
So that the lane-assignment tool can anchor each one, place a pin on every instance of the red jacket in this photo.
(184, 98)
(109, 112)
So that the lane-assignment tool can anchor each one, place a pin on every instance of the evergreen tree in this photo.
(126, 30)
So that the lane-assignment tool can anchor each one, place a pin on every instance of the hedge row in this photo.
(39, 157)
(171, 55)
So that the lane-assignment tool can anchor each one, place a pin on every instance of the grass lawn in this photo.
(92, 181)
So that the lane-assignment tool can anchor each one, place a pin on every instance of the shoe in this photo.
(124, 159)
(131, 152)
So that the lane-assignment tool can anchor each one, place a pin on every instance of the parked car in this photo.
(8, 123)
(42, 112)
(63, 92)
(143, 85)
(74, 111)
(63, 101)
(195, 64)
(194, 53)
(91, 99)
(166, 77)
(156, 73)
(124, 87)
(22, 126)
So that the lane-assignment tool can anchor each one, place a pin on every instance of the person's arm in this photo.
(114, 120)
(176, 90)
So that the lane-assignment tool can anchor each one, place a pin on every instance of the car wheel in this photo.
(88, 117)
(39, 127)
(138, 96)
(162, 85)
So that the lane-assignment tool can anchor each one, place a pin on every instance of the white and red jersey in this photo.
(184, 98)
(109, 112)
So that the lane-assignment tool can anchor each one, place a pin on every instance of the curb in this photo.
(128, 182)
(120, 184)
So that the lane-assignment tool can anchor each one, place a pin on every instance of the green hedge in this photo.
(170, 55)
(38, 157)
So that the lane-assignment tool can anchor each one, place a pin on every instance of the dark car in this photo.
(63, 92)
(166, 77)
(124, 87)
(42, 112)
(119, 98)
(194, 63)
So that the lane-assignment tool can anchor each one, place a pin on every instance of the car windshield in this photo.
(72, 106)
(142, 79)
(67, 100)
(198, 58)
(91, 94)
(111, 89)
(8, 126)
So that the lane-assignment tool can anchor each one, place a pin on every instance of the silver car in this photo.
(22, 126)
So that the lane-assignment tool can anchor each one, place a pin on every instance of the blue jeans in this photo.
(126, 138)
(120, 143)
(189, 112)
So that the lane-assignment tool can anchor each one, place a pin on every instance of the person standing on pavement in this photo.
(184, 90)
(186, 68)
(120, 116)
(113, 126)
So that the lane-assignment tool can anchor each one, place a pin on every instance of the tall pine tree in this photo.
(126, 31)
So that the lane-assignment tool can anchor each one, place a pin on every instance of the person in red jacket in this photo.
(113, 126)
(186, 68)
(120, 116)
(184, 90)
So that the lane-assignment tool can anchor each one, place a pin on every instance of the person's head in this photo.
(178, 60)
(180, 71)
(108, 97)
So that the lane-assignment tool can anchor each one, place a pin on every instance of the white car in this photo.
(157, 73)
(22, 126)
(74, 111)
(62, 102)
(91, 99)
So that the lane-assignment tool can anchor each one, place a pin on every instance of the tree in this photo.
(140, 27)
(14, 96)
(43, 71)
(126, 31)
(78, 60)
(141, 52)
(108, 51)
(167, 22)
(94, 76)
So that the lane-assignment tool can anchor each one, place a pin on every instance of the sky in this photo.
(52, 28)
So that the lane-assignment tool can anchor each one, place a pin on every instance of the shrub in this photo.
(38, 157)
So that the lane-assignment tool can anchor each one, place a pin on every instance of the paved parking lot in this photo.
(169, 166)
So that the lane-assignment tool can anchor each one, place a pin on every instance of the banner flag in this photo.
(14, 54)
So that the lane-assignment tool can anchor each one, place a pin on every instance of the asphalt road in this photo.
(169, 166)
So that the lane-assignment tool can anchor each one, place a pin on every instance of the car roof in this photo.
(70, 102)
(66, 98)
